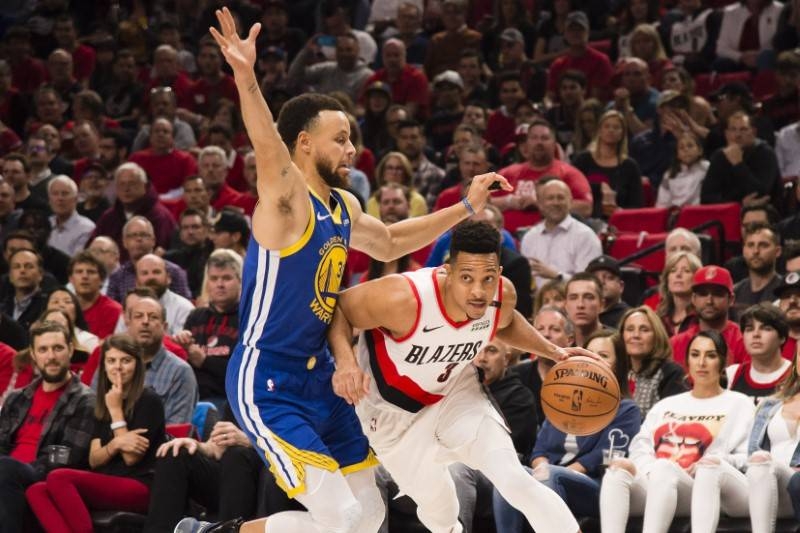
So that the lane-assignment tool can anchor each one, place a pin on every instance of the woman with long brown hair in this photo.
(395, 167)
(674, 307)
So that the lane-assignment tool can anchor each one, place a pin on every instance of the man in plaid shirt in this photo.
(55, 409)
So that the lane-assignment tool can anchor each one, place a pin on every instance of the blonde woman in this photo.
(395, 167)
(606, 161)
(646, 45)
(674, 305)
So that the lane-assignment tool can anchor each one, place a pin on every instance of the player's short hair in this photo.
(300, 114)
(474, 237)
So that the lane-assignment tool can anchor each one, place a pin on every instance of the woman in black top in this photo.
(606, 161)
(129, 428)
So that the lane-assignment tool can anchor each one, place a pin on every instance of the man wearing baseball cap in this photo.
(607, 270)
(788, 293)
(712, 298)
(580, 56)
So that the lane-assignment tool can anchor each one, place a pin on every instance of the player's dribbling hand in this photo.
(350, 383)
(480, 189)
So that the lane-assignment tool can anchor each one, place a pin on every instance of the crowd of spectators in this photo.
(128, 181)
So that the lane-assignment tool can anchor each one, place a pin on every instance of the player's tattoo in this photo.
(253, 87)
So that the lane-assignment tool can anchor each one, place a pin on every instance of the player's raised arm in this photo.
(277, 175)
(387, 243)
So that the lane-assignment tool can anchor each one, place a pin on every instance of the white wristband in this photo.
(118, 425)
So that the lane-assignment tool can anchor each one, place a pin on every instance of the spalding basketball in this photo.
(580, 396)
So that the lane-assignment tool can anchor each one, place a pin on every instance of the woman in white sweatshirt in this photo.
(688, 452)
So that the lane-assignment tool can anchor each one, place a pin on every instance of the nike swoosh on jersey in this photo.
(320, 217)
(428, 329)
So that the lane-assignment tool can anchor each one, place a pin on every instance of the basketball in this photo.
(580, 396)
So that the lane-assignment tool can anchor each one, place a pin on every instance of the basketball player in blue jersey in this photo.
(279, 381)
(420, 400)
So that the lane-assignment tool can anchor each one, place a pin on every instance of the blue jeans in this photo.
(15, 477)
(581, 494)
(794, 493)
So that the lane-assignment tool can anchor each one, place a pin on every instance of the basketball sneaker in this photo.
(193, 525)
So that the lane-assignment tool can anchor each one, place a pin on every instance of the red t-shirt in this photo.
(449, 196)
(28, 75)
(204, 95)
(27, 439)
(83, 61)
(733, 338)
(102, 316)
(167, 171)
(523, 178)
(500, 129)
(9, 142)
(595, 65)
(235, 176)
(24, 376)
(789, 349)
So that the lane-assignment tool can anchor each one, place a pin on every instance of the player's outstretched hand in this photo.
(350, 382)
(239, 53)
(482, 186)
(583, 352)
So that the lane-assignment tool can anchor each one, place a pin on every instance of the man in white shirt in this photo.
(71, 231)
(559, 245)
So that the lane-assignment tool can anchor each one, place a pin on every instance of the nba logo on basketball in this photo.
(577, 399)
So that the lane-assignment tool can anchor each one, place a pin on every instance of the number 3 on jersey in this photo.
(444, 376)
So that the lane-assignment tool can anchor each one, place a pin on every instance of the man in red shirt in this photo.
(501, 125)
(445, 47)
(213, 169)
(580, 56)
(87, 274)
(471, 162)
(83, 57)
(213, 84)
(166, 166)
(167, 74)
(27, 73)
(712, 298)
(409, 85)
(56, 409)
(519, 207)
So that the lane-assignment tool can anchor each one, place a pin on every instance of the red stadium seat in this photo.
(705, 84)
(764, 85)
(180, 431)
(627, 244)
(649, 219)
(691, 216)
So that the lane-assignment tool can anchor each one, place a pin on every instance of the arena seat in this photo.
(649, 219)
(705, 84)
(627, 244)
(692, 216)
(117, 522)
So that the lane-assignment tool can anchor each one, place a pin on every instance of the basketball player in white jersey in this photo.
(420, 400)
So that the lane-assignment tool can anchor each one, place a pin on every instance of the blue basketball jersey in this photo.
(288, 295)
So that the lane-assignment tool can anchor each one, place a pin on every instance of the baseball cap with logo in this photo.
(577, 18)
(790, 281)
(604, 262)
(713, 275)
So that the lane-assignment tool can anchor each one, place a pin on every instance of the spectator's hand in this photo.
(196, 355)
(114, 395)
(174, 446)
(133, 441)
(609, 199)
(733, 152)
(350, 382)
(479, 192)
(184, 338)
(671, 123)
(541, 270)
(226, 434)
(754, 199)
(239, 53)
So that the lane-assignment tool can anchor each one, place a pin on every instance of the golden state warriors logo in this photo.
(328, 278)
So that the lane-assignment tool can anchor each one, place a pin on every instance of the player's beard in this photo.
(328, 173)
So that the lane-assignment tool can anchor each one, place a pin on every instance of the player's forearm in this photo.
(521, 335)
(340, 337)
(257, 117)
(413, 233)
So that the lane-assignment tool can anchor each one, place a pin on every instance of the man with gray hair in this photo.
(209, 333)
(139, 240)
(135, 196)
(70, 230)
(167, 166)
(683, 240)
(213, 169)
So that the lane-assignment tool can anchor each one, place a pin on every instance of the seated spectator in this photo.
(582, 303)
(636, 98)
(170, 377)
(122, 453)
(138, 197)
(24, 240)
(122, 93)
(746, 170)
(689, 32)
(782, 107)
(615, 177)
(575, 474)
(39, 158)
(447, 109)
(745, 36)
(377, 97)
(764, 329)
(37, 224)
(409, 86)
(168, 74)
(646, 45)
(27, 301)
(393, 205)
(16, 170)
(139, 240)
(673, 301)
(682, 240)
(731, 98)
(193, 247)
(471, 69)
(501, 125)
(60, 77)
(222, 474)
(712, 298)
(760, 249)
(396, 168)
(106, 250)
(276, 29)
(86, 141)
(517, 206)
(67, 303)
(580, 56)
(445, 46)
(151, 272)
(49, 108)
(550, 40)
(16, 370)
(9, 215)
(654, 375)
(472, 162)
(166, 166)
(55, 409)
(563, 114)
(684, 179)
(655, 481)
(411, 143)
(763, 214)
(230, 231)
(559, 245)
(27, 72)
(87, 274)
(679, 80)
(162, 102)
(787, 143)
(94, 183)
(553, 294)
(222, 135)
(213, 170)
(608, 272)
(70, 230)
(212, 83)
(788, 293)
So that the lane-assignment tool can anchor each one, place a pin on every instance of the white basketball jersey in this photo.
(416, 370)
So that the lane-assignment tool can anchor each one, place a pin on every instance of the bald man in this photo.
(558, 246)
(409, 85)
(151, 271)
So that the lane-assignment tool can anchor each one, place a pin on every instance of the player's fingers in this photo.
(254, 31)
(365, 383)
(217, 37)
